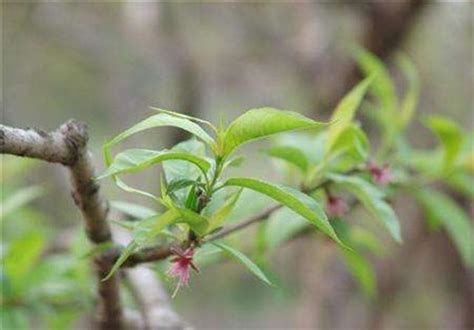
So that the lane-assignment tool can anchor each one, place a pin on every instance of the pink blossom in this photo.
(336, 206)
(381, 175)
(182, 261)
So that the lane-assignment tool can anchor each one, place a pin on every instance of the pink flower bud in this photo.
(336, 206)
(182, 262)
(381, 175)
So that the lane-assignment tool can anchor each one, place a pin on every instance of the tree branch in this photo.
(68, 146)
(160, 252)
(150, 295)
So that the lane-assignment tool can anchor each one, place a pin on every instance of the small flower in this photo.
(381, 175)
(182, 261)
(336, 206)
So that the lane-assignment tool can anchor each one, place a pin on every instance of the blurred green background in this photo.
(106, 62)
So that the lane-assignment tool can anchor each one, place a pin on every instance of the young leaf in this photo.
(463, 183)
(258, 123)
(372, 199)
(453, 218)
(198, 223)
(450, 136)
(352, 141)
(178, 184)
(362, 271)
(122, 185)
(345, 111)
(134, 160)
(159, 120)
(178, 169)
(136, 211)
(129, 249)
(382, 87)
(144, 231)
(291, 155)
(219, 216)
(234, 162)
(358, 266)
(182, 115)
(291, 198)
(244, 260)
(410, 100)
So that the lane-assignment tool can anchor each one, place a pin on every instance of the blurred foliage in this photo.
(50, 290)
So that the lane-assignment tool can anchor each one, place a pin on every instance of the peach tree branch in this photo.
(68, 146)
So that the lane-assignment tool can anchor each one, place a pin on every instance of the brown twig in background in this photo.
(68, 146)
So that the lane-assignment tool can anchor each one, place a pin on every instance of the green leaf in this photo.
(178, 169)
(144, 231)
(160, 120)
(220, 215)
(450, 136)
(178, 184)
(136, 211)
(345, 111)
(453, 218)
(21, 255)
(372, 199)
(134, 160)
(358, 266)
(291, 198)
(291, 155)
(362, 271)
(234, 162)
(184, 116)
(258, 123)
(19, 199)
(351, 141)
(463, 183)
(382, 87)
(198, 223)
(410, 100)
(251, 266)
(129, 249)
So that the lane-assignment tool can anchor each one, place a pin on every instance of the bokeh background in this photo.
(105, 63)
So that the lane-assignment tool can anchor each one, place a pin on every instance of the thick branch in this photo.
(67, 146)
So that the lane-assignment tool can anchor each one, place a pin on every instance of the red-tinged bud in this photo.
(381, 175)
(336, 206)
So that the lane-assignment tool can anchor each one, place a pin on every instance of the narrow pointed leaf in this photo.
(221, 214)
(160, 120)
(134, 160)
(198, 223)
(410, 99)
(450, 136)
(345, 111)
(453, 218)
(242, 258)
(258, 123)
(383, 87)
(372, 199)
(143, 232)
(137, 211)
(299, 202)
(291, 155)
